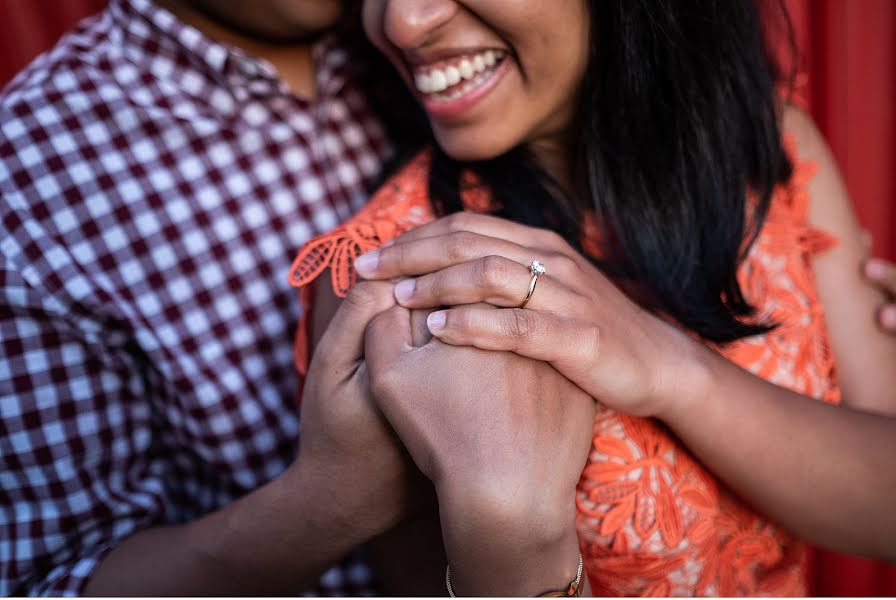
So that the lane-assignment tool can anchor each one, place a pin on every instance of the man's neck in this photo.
(293, 61)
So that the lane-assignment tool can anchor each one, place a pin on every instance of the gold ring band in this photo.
(535, 269)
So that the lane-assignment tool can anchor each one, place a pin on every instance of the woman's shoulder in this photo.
(779, 280)
(812, 203)
(863, 353)
(828, 205)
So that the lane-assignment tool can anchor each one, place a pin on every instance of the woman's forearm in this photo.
(826, 473)
(273, 541)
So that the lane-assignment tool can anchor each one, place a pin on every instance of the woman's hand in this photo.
(504, 440)
(883, 275)
(577, 320)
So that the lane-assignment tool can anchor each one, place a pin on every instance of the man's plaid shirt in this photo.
(155, 187)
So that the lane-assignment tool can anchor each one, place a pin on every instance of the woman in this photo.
(694, 256)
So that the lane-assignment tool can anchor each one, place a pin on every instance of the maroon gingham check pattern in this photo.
(155, 187)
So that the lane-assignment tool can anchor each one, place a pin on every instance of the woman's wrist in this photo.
(493, 565)
(519, 544)
(688, 381)
(684, 377)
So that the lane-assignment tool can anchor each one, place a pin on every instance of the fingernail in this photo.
(887, 317)
(366, 264)
(436, 321)
(875, 268)
(404, 289)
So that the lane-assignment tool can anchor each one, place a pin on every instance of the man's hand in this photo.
(883, 275)
(503, 438)
(347, 451)
(347, 485)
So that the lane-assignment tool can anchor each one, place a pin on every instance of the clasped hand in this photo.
(503, 438)
(576, 320)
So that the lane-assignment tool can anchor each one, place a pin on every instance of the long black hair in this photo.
(678, 152)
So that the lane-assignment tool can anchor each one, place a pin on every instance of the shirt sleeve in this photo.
(79, 470)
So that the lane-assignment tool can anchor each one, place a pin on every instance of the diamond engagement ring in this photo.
(535, 269)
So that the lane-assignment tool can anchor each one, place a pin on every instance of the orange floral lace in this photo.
(652, 521)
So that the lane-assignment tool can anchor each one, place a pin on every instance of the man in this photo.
(158, 170)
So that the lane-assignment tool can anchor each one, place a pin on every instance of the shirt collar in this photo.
(153, 31)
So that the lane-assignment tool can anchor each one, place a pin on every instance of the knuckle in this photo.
(459, 221)
(493, 273)
(554, 240)
(366, 295)
(384, 383)
(459, 321)
(519, 323)
(459, 247)
(379, 323)
(588, 341)
(395, 258)
(430, 287)
(563, 266)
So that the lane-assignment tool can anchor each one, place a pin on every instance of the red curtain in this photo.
(28, 27)
(847, 58)
(848, 55)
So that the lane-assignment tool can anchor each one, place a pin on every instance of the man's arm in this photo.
(83, 475)
(347, 485)
(276, 540)
(409, 559)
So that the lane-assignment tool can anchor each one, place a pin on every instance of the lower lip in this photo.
(446, 109)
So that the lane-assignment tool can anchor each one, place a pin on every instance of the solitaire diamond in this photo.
(537, 268)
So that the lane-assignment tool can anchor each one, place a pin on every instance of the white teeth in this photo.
(422, 82)
(466, 69)
(452, 75)
(440, 79)
(479, 63)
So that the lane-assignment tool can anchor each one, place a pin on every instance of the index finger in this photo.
(490, 226)
(426, 255)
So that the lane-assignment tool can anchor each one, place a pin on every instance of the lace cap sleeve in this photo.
(400, 205)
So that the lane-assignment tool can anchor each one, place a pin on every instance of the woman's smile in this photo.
(449, 88)
(491, 74)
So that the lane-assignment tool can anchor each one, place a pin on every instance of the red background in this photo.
(847, 58)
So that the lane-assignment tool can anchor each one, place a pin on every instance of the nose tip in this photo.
(411, 23)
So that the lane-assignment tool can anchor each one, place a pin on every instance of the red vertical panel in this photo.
(851, 50)
(29, 27)
(864, 79)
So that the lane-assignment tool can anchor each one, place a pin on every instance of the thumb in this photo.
(388, 335)
(343, 341)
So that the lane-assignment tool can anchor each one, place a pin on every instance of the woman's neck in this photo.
(554, 156)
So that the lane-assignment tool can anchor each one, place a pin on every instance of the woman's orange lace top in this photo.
(652, 521)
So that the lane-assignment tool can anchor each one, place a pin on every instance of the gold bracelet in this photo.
(574, 590)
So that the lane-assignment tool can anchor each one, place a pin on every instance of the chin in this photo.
(464, 146)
